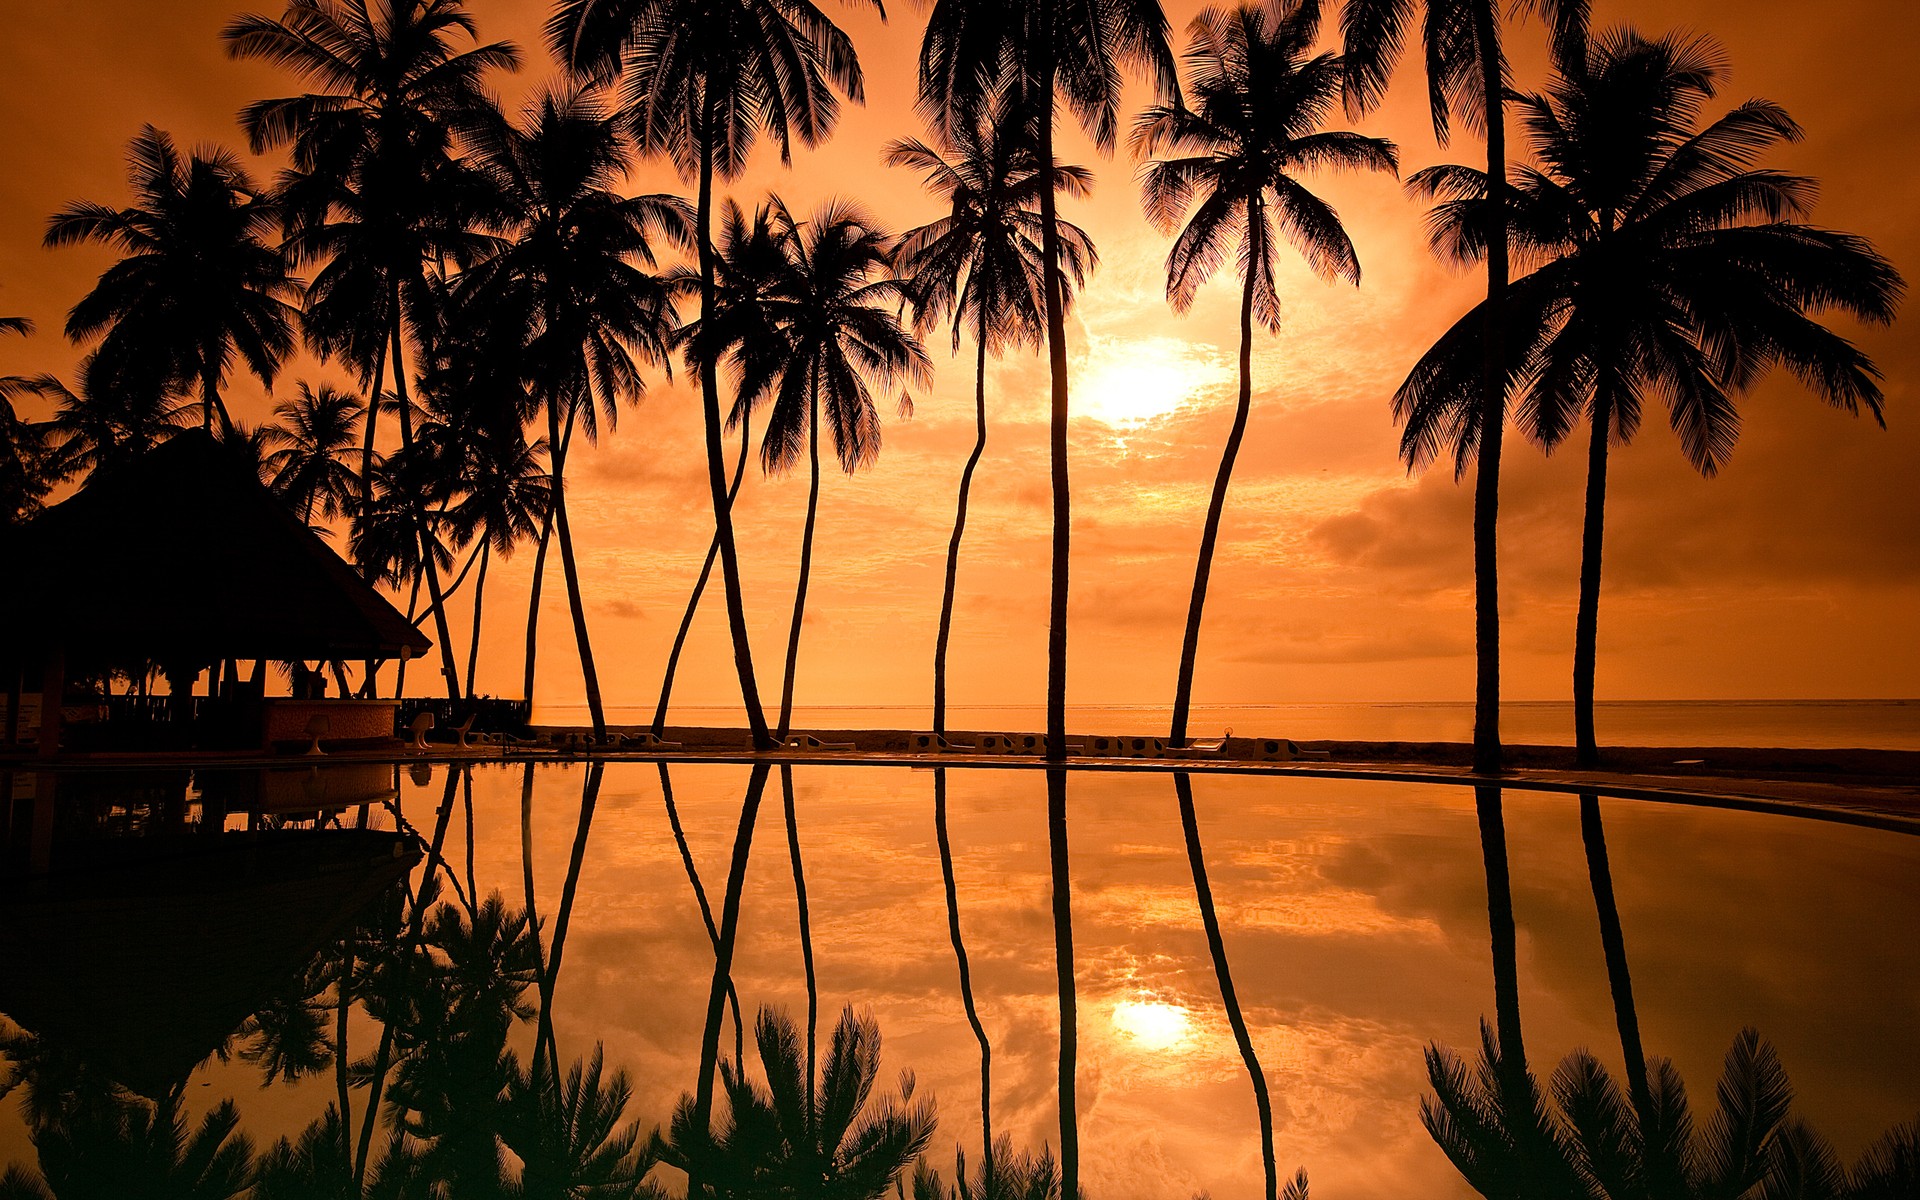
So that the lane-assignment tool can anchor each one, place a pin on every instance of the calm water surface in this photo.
(1355, 920)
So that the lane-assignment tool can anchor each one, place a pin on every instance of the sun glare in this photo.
(1129, 383)
(1151, 1024)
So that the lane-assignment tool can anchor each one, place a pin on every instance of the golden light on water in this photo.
(1152, 1024)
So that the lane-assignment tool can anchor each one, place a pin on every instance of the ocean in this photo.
(1806, 724)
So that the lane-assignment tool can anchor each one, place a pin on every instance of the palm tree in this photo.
(106, 423)
(805, 921)
(1673, 264)
(573, 291)
(834, 314)
(978, 50)
(139, 1148)
(701, 80)
(1466, 76)
(315, 431)
(509, 493)
(26, 447)
(980, 265)
(1257, 95)
(790, 1138)
(569, 1137)
(988, 1147)
(197, 284)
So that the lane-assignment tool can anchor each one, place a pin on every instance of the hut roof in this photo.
(184, 554)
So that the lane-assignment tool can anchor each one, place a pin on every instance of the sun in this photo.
(1126, 383)
(1152, 1024)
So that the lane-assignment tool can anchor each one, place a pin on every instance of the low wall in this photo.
(347, 720)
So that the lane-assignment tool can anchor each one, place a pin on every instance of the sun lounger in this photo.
(807, 741)
(641, 741)
(1199, 748)
(1036, 743)
(1285, 750)
(417, 728)
(1142, 747)
(1105, 747)
(994, 743)
(930, 743)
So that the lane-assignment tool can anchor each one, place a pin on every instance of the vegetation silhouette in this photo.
(974, 53)
(980, 266)
(27, 470)
(700, 81)
(1255, 100)
(1005, 1174)
(1467, 78)
(314, 431)
(1670, 263)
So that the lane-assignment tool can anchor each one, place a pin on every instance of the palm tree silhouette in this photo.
(700, 898)
(1060, 885)
(315, 431)
(1256, 97)
(1004, 1175)
(573, 291)
(549, 976)
(792, 1139)
(702, 79)
(976, 50)
(989, 1163)
(106, 423)
(1672, 264)
(980, 265)
(1466, 77)
(197, 283)
(805, 921)
(748, 261)
(139, 1148)
(1613, 942)
(509, 491)
(833, 314)
(26, 447)
(568, 1135)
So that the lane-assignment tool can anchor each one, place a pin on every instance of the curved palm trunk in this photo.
(706, 911)
(575, 604)
(210, 401)
(432, 569)
(1203, 894)
(1209, 535)
(343, 1095)
(533, 595)
(1614, 942)
(1493, 413)
(659, 725)
(953, 555)
(1586, 631)
(806, 947)
(1063, 979)
(400, 672)
(716, 479)
(479, 595)
(702, 1122)
(1502, 931)
(806, 564)
(543, 980)
(966, 978)
(589, 799)
(366, 475)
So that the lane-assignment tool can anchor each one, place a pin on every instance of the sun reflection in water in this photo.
(1152, 1024)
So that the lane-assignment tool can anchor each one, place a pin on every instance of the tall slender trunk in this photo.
(343, 1095)
(706, 910)
(699, 589)
(1613, 942)
(1056, 309)
(1203, 895)
(576, 605)
(210, 401)
(702, 1122)
(366, 473)
(400, 672)
(953, 547)
(806, 948)
(1586, 629)
(447, 663)
(543, 980)
(533, 606)
(479, 594)
(589, 799)
(806, 559)
(1493, 410)
(1502, 932)
(383, 1057)
(1210, 533)
(1063, 980)
(966, 977)
(716, 470)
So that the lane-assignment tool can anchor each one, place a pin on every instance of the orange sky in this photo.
(1796, 573)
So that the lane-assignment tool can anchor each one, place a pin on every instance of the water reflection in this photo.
(1262, 997)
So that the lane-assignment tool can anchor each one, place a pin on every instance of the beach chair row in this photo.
(1257, 749)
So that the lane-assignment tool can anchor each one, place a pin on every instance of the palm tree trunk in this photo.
(210, 402)
(702, 1122)
(479, 594)
(716, 477)
(1493, 410)
(366, 474)
(1502, 931)
(1614, 942)
(706, 911)
(589, 800)
(1203, 894)
(1063, 980)
(966, 976)
(543, 980)
(533, 607)
(447, 663)
(1210, 533)
(1586, 630)
(1057, 367)
(953, 548)
(575, 604)
(806, 946)
(343, 1095)
(659, 726)
(806, 562)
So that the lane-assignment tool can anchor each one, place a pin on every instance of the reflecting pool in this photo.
(551, 974)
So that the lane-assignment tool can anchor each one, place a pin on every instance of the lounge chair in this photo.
(417, 728)
(1285, 750)
(1142, 747)
(1199, 748)
(806, 741)
(1105, 747)
(1036, 743)
(930, 743)
(994, 743)
(641, 741)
